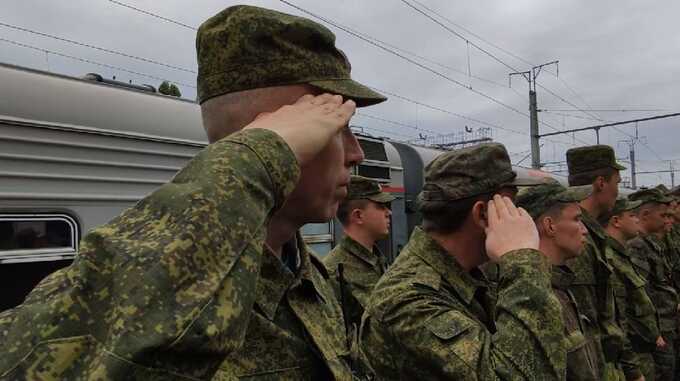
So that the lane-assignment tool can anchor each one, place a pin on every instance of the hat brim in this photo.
(381, 198)
(632, 205)
(619, 166)
(349, 88)
(521, 181)
(576, 193)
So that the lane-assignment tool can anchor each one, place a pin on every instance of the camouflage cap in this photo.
(623, 204)
(363, 188)
(675, 191)
(469, 172)
(539, 199)
(245, 47)
(591, 158)
(650, 195)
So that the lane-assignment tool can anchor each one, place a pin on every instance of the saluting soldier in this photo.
(208, 273)
(635, 309)
(647, 253)
(596, 166)
(356, 263)
(429, 317)
(557, 215)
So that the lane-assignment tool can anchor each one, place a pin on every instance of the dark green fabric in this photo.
(539, 199)
(363, 188)
(429, 319)
(245, 47)
(590, 158)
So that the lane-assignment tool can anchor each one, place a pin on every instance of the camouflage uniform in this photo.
(583, 363)
(592, 286)
(361, 267)
(428, 318)
(181, 284)
(635, 310)
(648, 256)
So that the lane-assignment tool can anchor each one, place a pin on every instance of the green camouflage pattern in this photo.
(634, 308)
(363, 188)
(649, 195)
(172, 286)
(245, 47)
(428, 319)
(469, 172)
(361, 270)
(296, 331)
(582, 356)
(594, 294)
(623, 204)
(539, 199)
(590, 158)
(647, 254)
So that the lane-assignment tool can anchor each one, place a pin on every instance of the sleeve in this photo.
(629, 361)
(438, 339)
(167, 287)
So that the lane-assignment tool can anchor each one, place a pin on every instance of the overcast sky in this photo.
(621, 54)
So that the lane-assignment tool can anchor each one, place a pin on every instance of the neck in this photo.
(279, 231)
(361, 236)
(459, 245)
(551, 251)
(591, 206)
(616, 234)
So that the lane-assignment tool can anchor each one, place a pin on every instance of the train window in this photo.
(373, 150)
(28, 238)
(321, 249)
(316, 229)
(374, 172)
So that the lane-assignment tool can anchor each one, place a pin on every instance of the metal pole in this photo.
(672, 175)
(535, 148)
(633, 183)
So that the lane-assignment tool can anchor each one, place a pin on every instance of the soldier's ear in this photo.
(548, 225)
(479, 214)
(357, 216)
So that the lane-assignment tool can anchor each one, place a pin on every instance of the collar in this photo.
(463, 283)
(358, 250)
(592, 225)
(617, 247)
(654, 242)
(562, 277)
(276, 278)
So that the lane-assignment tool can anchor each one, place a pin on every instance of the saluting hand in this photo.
(308, 125)
(508, 228)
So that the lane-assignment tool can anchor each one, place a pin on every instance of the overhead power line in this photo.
(153, 15)
(117, 52)
(92, 62)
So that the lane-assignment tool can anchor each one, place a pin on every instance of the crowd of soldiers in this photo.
(208, 278)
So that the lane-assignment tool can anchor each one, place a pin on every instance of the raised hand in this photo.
(309, 124)
(508, 228)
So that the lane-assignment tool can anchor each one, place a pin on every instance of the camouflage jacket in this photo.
(172, 286)
(632, 300)
(428, 319)
(648, 257)
(672, 241)
(594, 294)
(582, 361)
(362, 269)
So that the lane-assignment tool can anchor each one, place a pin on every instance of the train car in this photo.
(75, 152)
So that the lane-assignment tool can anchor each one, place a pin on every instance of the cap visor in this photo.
(577, 193)
(619, 166)
(528, 181)
(381, 198)
(349, 88)
(632, 205)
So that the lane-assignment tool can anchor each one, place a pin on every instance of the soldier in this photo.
(635, 309)
(356, 263)
(209, 271)
(647, 253)
(597, 166)
(429, 316)
(557, 215)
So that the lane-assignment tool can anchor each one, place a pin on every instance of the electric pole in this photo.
(631, 154)
(530, 76)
